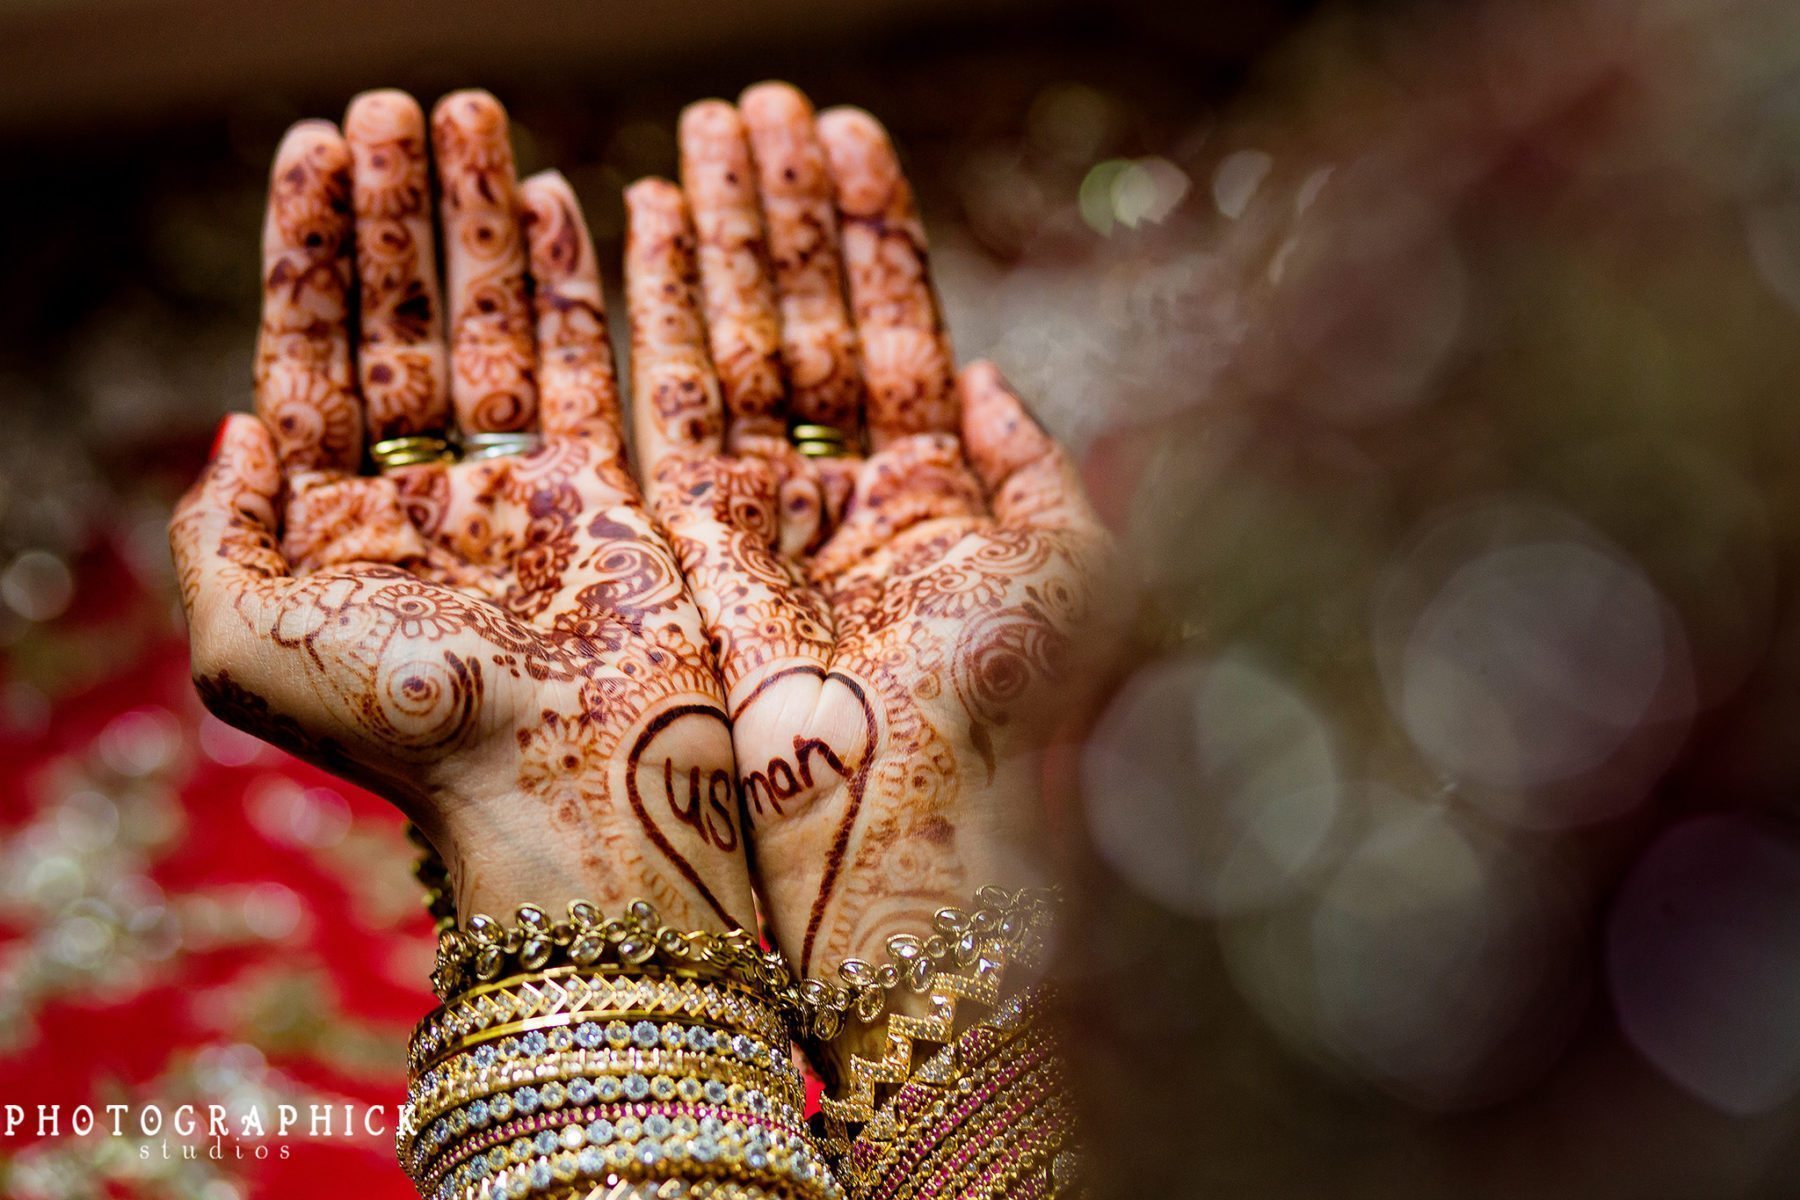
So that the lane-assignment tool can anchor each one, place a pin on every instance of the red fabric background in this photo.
(363, 955)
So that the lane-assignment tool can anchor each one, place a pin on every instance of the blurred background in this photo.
(1437, 365)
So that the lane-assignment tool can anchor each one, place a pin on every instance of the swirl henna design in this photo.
(492, 350)
(893, 682)
(503, 648)
(818, 344)
(401, 359)
(905, 350)
(579, 391)
(303, 384)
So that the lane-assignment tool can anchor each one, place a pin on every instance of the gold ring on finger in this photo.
(819, 441)
(410, 451)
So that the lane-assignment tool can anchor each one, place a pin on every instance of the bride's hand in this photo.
(503, 648)
(894, 632)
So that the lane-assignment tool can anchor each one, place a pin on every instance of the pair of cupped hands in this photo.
(579, 679)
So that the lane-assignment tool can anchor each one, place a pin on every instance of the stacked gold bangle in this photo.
(565, 996)
(586, 1057)
(968, 1102)
(673, 1189)
(486, 949)
(536, 1114)
(988, 1116)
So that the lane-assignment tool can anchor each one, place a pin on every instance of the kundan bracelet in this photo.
(1011, 923)
(487, 948)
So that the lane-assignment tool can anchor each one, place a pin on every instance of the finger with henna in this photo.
(303, 383)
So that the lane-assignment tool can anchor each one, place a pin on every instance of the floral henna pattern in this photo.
(998, 657)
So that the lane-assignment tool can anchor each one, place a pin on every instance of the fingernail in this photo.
(218, 439)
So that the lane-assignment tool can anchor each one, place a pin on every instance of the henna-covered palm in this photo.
(502, 647)
(894, 633)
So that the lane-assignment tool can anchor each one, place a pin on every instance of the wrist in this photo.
(931, 983)
(901, 869)
(501, 854)
(498, 865)
(960, 1087)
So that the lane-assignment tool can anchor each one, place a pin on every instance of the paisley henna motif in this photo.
(631, 579)
(424, 496)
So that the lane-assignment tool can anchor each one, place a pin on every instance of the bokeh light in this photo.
(1214, 784)
(1703, 958)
